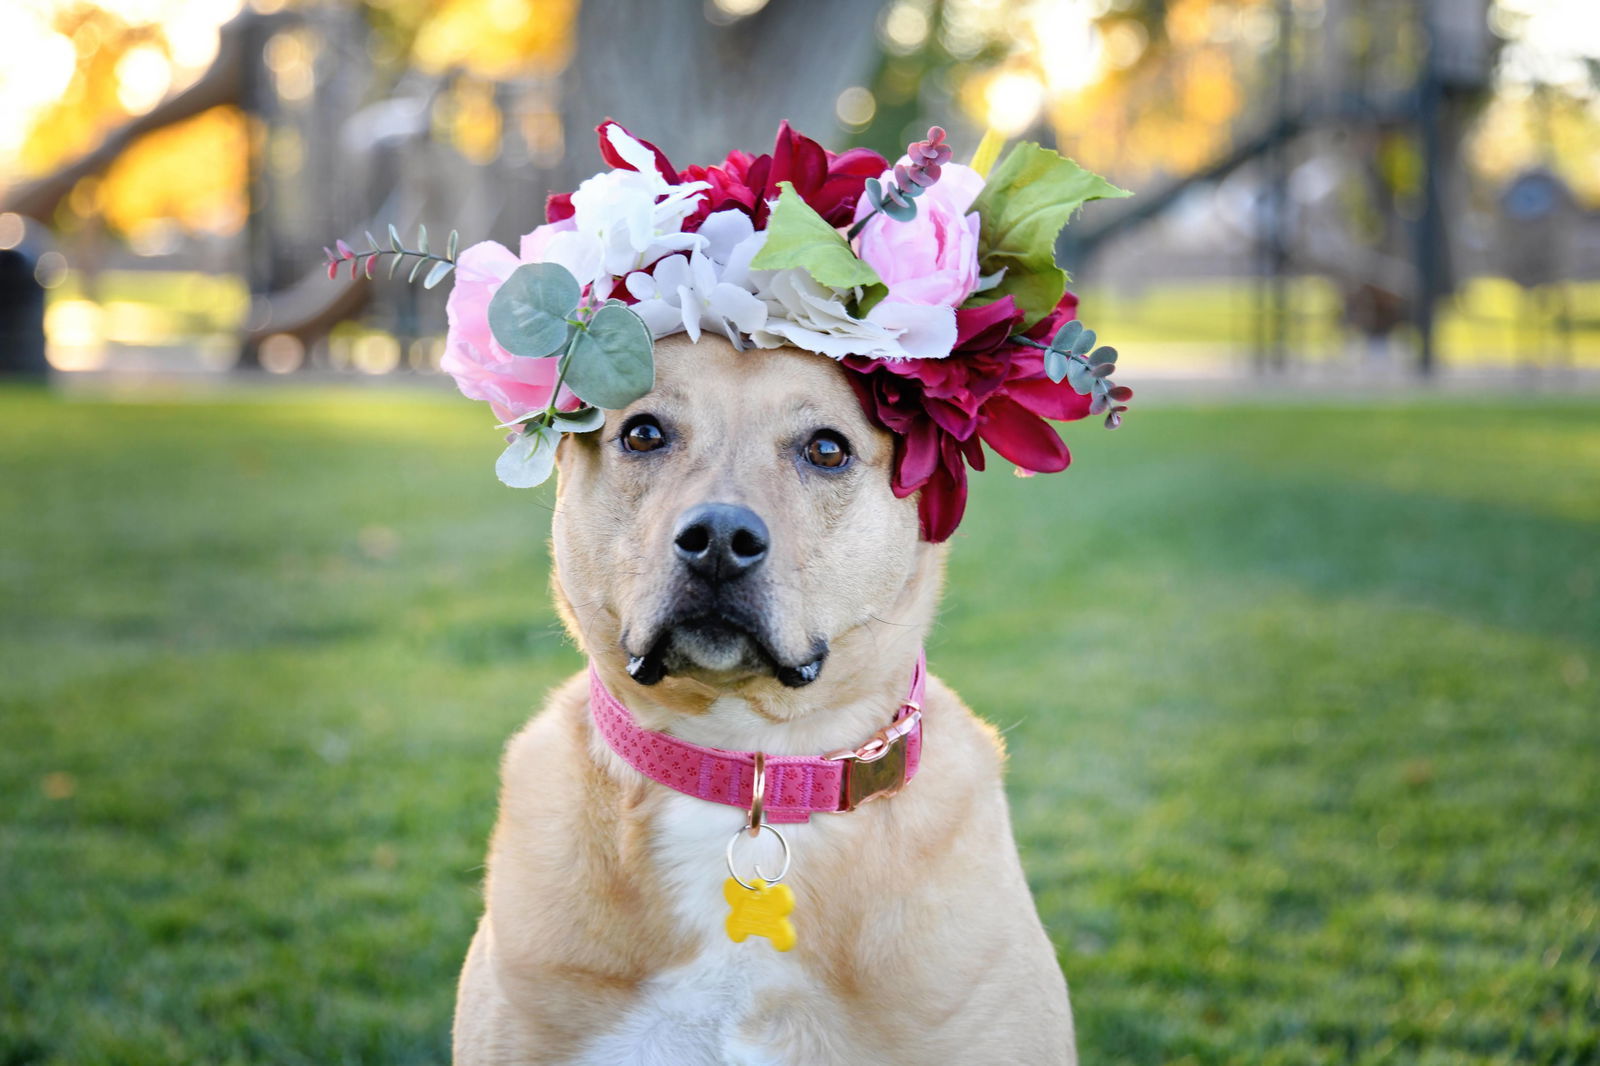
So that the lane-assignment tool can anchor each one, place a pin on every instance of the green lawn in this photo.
(1302, 702)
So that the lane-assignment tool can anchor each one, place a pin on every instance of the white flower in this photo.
(623, 220)
(709, 287)
(807, 314)
(684, 294)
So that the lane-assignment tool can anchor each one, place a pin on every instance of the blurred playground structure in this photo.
(1322, 184)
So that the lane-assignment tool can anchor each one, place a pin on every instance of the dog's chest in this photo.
(695, 1014)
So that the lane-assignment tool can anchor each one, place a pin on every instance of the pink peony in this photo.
(933, 259)
(514, 386)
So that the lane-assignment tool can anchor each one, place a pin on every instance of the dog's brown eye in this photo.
(643, 434)
(828, 450)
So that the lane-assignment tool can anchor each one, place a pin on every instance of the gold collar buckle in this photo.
(877, 768)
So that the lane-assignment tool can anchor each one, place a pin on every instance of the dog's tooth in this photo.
(646, 669)
(800, 676)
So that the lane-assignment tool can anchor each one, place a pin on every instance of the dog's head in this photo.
(736, 526)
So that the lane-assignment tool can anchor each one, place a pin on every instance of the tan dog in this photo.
(602, 940)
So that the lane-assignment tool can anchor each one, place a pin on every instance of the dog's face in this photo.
(737, 523)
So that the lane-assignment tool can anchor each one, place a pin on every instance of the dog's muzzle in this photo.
(720, 548)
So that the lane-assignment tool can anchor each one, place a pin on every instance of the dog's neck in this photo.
(862, 685)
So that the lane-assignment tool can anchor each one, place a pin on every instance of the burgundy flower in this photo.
(987, 390)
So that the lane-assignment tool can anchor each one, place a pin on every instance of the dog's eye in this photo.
(643, 434)
(828, 450)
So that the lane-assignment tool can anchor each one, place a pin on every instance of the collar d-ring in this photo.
(758, 795)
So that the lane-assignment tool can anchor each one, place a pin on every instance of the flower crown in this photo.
(934, 284)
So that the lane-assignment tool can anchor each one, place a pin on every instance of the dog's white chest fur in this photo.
(693, 1015)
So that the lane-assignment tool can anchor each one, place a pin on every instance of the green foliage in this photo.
(1028, 198)
(528, 313)
(611, 363)
(900, 210)
(1314, 784)
(583, 420)
(530, 458)
(1089, 373)
(799, 237)
(607, 360)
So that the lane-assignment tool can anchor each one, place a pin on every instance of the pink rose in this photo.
(513, 385)
(933, 259)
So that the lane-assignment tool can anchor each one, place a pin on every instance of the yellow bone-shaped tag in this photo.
(761, 911)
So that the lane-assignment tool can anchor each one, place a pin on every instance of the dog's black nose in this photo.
(721, 541)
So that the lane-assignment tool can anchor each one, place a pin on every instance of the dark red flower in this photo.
(831, 183)
(987, 390)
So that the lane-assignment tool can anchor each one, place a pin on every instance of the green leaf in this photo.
(799, 237)
(613, 360)
(530, 459)
(528, 313)
(436, 275)
(583, 420)
(1055, 365)
(1027, 200)
(1066, 335)
(1079, 378)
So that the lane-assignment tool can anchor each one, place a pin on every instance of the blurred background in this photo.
(1324, 185)
(1297, 669)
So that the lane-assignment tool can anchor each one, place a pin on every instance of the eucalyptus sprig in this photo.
(1071, 354)
(897, 197)
(366, 261)
(606, 352)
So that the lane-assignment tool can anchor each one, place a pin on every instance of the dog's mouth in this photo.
(722, 645)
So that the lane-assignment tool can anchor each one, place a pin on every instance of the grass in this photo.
(1302, 704)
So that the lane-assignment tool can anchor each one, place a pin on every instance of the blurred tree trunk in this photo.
(697, 89)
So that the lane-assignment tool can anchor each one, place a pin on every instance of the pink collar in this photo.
(797, 785)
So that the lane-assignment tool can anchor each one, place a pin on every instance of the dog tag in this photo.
(761, 910)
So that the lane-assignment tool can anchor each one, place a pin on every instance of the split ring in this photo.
(782, 870)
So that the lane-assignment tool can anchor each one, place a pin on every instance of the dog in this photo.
(729, 554)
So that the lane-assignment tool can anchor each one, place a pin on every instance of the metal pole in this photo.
(1430, 226)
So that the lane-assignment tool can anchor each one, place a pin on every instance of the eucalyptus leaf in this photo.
(900, 212)
(422, 238)
(1055, 365)
(583, 420)
(416, 268)
(394, 238)
(613, 360)
(799, 237)
(1101, 402)
(1026, 201)
(1102, 370)
(372, 242)
(1103, 354)
(1066, 335)
(455, 242)
(437, 274)
(1079, 378)
(529, 459)
(1083, 343)
(394, 264)
(528, 313)
(875, 193)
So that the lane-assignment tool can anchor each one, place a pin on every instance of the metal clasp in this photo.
(878, 767)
